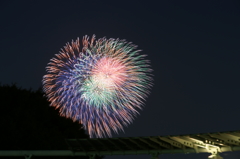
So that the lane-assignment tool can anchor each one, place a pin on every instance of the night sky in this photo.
(193, 46)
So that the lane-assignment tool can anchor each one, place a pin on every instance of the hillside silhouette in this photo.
(29, 123)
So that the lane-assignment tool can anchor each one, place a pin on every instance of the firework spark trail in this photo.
(102, 85)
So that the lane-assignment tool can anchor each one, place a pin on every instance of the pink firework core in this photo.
(109, 72)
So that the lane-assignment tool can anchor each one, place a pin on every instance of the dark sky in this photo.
(193, 46)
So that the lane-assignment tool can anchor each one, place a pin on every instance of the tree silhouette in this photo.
(29, 123)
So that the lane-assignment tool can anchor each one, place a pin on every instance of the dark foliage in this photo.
(29, 123)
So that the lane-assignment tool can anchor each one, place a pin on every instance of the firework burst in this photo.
(102, 85)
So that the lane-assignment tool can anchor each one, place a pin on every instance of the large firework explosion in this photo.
(102, 85)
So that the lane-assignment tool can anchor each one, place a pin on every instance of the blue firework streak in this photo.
(102, 86)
